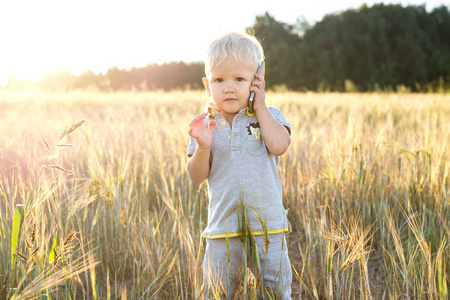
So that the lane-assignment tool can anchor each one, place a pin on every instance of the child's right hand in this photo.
(202, 134)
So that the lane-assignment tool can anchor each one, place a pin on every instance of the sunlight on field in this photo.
(366, 181)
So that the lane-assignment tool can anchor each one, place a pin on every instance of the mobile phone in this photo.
(250, 110)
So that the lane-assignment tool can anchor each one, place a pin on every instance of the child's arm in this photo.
(198, 164)
(276, 136)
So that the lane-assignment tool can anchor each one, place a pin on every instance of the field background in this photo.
(366, 180)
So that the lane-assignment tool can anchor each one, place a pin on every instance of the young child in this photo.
(238, 154)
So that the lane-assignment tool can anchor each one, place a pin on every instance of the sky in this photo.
(38, 37)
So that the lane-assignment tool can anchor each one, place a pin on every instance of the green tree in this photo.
(88, 80)
(281, 44)
(379, 46)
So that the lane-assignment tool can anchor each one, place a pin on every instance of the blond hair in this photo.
(241, 47)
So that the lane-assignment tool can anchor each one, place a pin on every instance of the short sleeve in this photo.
(280, 118)
(191, 147)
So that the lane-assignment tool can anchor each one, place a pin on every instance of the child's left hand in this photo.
(258, 86)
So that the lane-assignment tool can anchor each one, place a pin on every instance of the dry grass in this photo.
(367, 181)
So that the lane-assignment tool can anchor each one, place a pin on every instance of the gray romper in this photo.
(244, 190)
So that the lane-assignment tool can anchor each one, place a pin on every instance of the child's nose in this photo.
(229, 89)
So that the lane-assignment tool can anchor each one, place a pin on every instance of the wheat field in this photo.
(109, 211)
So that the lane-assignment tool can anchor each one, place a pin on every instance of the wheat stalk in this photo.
(56, 167)
(71, 129)
(46, 143)
(64, 145)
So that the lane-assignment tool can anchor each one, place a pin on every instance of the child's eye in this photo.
(219, 80)
(239, 79)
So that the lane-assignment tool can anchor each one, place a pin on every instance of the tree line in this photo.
(380, 47)
(383, 47)
(168, 76)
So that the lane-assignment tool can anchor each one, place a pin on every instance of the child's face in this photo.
(229, 86)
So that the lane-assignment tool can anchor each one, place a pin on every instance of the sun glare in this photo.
(50, 36)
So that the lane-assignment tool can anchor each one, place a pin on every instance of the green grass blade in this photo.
(51, 257)
(17, 222)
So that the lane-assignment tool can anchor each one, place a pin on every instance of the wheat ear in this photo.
(72, 129)
(56, 167)
(45, 142)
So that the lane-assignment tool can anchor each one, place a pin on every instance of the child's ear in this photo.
(206, 84)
